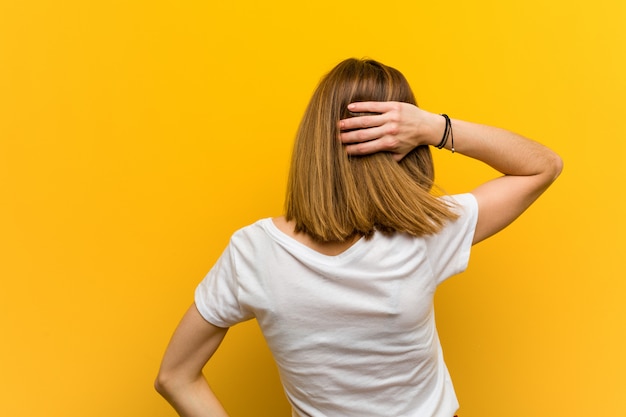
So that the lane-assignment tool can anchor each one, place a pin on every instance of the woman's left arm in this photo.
(180, 380)
(528, 167)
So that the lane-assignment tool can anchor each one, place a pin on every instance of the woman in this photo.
(342, 286)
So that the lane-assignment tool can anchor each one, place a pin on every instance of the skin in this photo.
(528, 169)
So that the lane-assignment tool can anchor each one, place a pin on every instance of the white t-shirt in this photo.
(352, 334)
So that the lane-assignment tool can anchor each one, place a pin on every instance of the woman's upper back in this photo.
(346, 330)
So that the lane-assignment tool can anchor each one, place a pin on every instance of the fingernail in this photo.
(351, 106)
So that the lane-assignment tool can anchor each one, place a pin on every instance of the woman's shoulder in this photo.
(463, 200)
(254, 232)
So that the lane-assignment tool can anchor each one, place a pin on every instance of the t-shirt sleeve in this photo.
(217, 295)
(449, 250)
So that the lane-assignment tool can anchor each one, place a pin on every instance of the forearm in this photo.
(191, 399)
(507, 152)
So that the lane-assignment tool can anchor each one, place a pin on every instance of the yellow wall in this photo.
(136, 136)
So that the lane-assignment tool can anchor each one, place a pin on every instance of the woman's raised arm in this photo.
(528, 167)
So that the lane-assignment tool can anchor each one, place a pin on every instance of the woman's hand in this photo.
(397, 128)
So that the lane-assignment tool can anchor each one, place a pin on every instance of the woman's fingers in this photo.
(362, 134)
(372, 106)
(368, 121)
(361, 122)
(390, 129)
(364, 148)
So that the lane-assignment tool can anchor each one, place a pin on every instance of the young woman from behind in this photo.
(342, 285)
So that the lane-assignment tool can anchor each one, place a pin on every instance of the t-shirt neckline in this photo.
(302, 249)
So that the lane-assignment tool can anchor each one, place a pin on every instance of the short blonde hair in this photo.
(332, 196)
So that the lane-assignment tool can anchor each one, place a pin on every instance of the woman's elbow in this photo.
(551, 166)
(555, 166)
(170, 383)
(160, 384)
(164, 384)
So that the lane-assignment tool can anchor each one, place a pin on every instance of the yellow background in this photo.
(136, 136)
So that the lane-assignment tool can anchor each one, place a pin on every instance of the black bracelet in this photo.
(446, 132)
(451, 136)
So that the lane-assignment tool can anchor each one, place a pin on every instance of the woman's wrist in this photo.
(433, 130)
